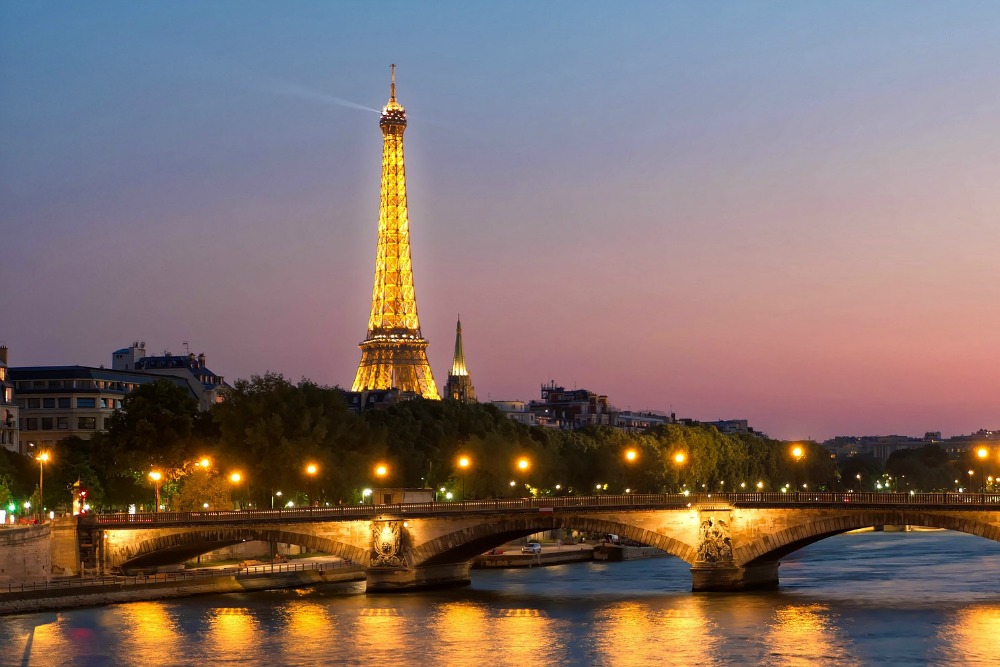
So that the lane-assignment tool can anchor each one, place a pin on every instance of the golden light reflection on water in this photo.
(522, 637)
(680, 635)
(45, 644)
(232, 634)
(462, 634)
(972, 638)
(379, 634)
(308, 627)
(149, 634)
(806, 635)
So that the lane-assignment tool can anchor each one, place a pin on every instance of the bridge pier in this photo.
(706, 577)
(394, 580)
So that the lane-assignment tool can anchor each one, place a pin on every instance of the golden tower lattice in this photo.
(394, 354)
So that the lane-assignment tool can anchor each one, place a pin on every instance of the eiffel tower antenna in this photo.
(394, 353)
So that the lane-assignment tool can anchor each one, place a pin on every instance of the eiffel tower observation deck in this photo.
(394, 354)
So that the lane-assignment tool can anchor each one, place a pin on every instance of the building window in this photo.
(62, 422)
(33, 402)
(46, 423)
(107, 422)
(48, 402)
(32, 424)
(87, 423)
(64, 402)
(38, 384)
(86, 403)
(55, 384)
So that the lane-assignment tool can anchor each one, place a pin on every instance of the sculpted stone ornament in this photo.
(715, 544)
(386, 544)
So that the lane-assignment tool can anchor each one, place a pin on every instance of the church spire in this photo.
(458, 363)
(459, 386)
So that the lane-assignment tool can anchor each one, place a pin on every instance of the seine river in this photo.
(866, 599)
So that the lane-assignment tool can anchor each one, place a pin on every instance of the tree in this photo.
(203, 488)
(154, 428)
(271, 429)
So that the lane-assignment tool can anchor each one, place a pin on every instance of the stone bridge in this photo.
(731, 541)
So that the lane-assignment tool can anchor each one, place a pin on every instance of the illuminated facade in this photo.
(8, 408)
(394, 354)
(459, 386)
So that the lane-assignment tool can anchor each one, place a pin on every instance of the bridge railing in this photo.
(630, 500)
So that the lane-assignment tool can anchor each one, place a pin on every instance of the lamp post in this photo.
(970, 482)
(236, 477)
(381, 472)
(982, 453)
(680, 458)
(631, 456)
(156, 476)
(463, 464)
(43, 458)
(523, 464)
(797, 453)
(276, 494)
(311, 471)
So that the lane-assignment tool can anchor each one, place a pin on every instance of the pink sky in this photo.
(784, 213)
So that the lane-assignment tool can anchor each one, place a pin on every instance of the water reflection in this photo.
(462, 633)
(307, 627)
(42, 641)
(807, 635)
(973, 638)
(526, 636)
(634, 633)
(149, 634)
(379, 636)
(232, 634)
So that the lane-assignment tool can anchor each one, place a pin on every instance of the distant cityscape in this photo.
(42, 405)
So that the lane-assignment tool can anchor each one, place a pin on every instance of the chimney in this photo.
(201, 360)
(3, 355)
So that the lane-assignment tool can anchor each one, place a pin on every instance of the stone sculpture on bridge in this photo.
(715, 544)
(386, 544)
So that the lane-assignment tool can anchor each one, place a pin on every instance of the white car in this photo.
(531, 548)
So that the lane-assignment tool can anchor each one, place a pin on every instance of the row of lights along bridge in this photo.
(522, 465)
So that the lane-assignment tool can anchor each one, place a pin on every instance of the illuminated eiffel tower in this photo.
(394, 354)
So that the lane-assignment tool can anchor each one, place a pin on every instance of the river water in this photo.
(919, 598)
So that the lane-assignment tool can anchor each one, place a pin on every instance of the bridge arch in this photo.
(175, 547)
(779, 544)
(467, 543)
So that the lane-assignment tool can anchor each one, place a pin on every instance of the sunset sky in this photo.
(786, 212)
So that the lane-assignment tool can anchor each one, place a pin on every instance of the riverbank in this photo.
(75, 593)
(549, 556)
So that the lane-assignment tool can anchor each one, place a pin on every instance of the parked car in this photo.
(531, 548)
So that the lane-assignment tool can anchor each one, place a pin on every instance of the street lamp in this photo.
(631, 456)
(311, 470)
(276, 494)
(236, 477)
(43, 458)
(970, 481)
(523, 464)
(680, 458)
(463, 464)
(156, 476)
(204, 463)
(982, 453)
(797, 454)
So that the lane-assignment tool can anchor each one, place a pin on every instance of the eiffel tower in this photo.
(394, 354)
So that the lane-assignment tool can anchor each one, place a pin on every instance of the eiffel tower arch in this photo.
(394, 353)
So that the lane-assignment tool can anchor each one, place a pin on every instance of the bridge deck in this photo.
(632, 501)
